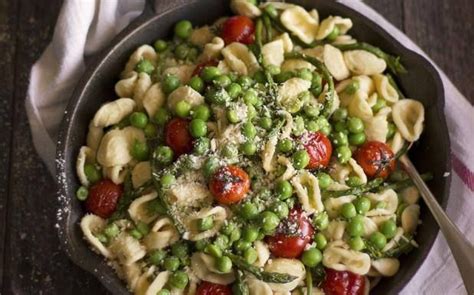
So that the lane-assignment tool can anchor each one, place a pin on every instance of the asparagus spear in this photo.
(309, 281)
(270, 277)
(373, 184)
(240, 287)
(127, 198)
(393, 62)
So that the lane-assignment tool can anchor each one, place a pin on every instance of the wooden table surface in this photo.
(30, 260)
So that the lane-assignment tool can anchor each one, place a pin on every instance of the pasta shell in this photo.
(240, 59)
(292, 65)
(158, 283)
(127, 249)
(335, 230)
(408, 115)
(244, 7)
(187, 94)
(189, 190)
(143, 281)
(337, 257)
(219, 215)
(334, 61)
(141, 173)
(410, 195)
(114, 149)
(333, 205)
(212, 50)
(258, 287)
(273, 53)
(410, 218)
(369, 226)
(116, 173)
(141, 87)
(293, 267)
(154, 99)
(389, 197)
(125, 87)
(86, 155)
(201, 36)
(139, 211)
(162, 234)
(94, 136)
(328, 24)
(130, 273)
(183, 72)
(387, 267)
(290, 170)
(344, 40)
(298, 21)
(316, 52)
(113, 112)
(263, 254)
(359, 107)
(204, 267)
(307, 188)
(268, 154)
(385, 89)
(397, 142)
(287, 42)
(395, 240)
(361, 62)
(286, 130)
(292, 88)
(90, 226)
(376, 128)
(142, 52)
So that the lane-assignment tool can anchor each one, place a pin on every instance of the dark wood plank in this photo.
(8, 23)
(392, 10)
(33, 259)
(445, 30)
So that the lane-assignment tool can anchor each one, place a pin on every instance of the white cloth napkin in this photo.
(86, 26)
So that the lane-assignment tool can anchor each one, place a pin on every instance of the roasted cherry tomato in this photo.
(103, 198)
(238, 29)
(343, 283)
(292, 235)
(229, 184)
(177, 136)
(208, 288)
(319, 149)
(210, 63)
(376, 158)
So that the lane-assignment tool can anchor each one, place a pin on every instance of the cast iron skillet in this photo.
(96, 87)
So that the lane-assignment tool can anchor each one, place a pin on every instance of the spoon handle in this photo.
(462, 250)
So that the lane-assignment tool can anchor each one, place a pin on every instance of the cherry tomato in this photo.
(208, 288)
(292, 235)
(177, 136)
(210, 63)
(343, 283)
(238, 29)
(229, 184)
(376, 158)
(103, 198)
(319, 149)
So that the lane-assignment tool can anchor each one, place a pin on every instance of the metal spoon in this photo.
(462, 250)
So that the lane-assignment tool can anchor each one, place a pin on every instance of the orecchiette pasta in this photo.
(154, 99)
(113, 112)
(408, 115)
(219, 215)
(333, 205)
(127, 249)
(385, 89)
(263, 254)
(116, 173)
(410, 195)
(301, 23)
(359, 107)
(143, 52)
(162, 234)
(139, 211)
(376, 128)
(361, 62)
(92, 225)
(388, 198)
(86, 155)
(290, 170)
(338, 257)
(94, 136)
(410, 217)
(240, 59)
(158, 283)
(291, 89)
(307, 188)
(114, 149)
(187, 94)
(204, 267)
(141, 173)
(328, 25)
(183, 72)
(290, 65)
(386, 267)
(201, 36)
(334, 61)
(335, 230)
(286, 266)
(243, 7)
(268, 154)
(397, 142)
(287, 42)
(257, 287)
(273, 53)
(212, 49)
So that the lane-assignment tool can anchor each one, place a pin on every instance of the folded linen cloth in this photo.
(80, 35)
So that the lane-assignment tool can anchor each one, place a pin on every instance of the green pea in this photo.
(179, 280)
(300, 159)
(150, 130)
(326, 130)
(234, 90)
(196, 83)
(224, 264)
(321, 221)
(205, 223)
(381, 205)
(285, 145)
(265, 123)
(388, 229)
(357, 138)
(305, 74)
(222, 241)
(82, 193)
(340, 139)
(156, 257)
(354, 181)
(320, 241)
(391, 130)
(143, 228)
(352, 88)
(324, 180)
(140, 150)
(348, 210)
(343, 154)
(222, 81)
(324, 125)
(311, 257)
(269, 221)
(193, 54)
(379, 104)
(93, 174)
(283, 76)
(213, 250)
(250, 255)
(181, 51)
(378, 240)
(136, 234)
(182, 109)
(242, 245)
(163, 292)
(339, 115)
(210, 73)
(228, 228)
(271, 11)
(201, 112)
(340, 126)
(164, 154)
(230, 151)
(167, 180)
(232, 116)
(180, 249)
(198, 128)
(201, 244)
(284, 189)
(356, 226)
(357, 243)
(248, 130)
(162, 116)
(160, 45)
(316, 84)
(145, 66)
(362, 205)
(183, 29)
(251, 112)
(170, 83)
(280, 209)
(201, 145)
(111, 230)
(217, 96)
(250, 233)
(235, 235)
(355, 125)
(249, 211)
(245, 81)
(312, 126)
(210, 166)
(333, 35)
(249, 148)
(250, 97)
(311, 111)
(139, 119)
